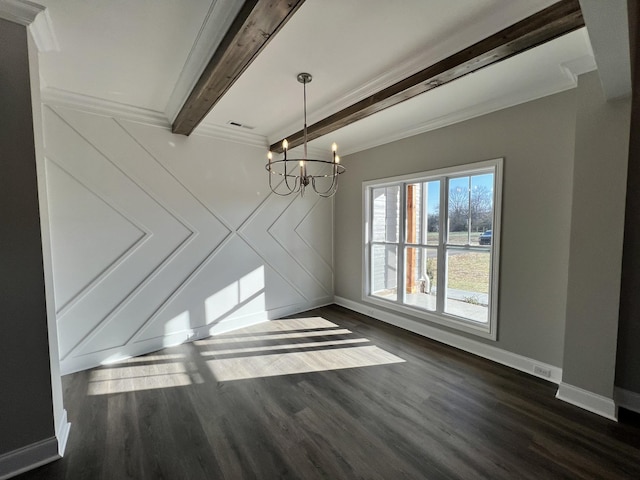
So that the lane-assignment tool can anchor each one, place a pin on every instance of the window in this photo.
(432, 245)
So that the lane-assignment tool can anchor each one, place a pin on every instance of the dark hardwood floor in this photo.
(346, 397)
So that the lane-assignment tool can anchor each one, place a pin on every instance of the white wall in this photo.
(158, 238)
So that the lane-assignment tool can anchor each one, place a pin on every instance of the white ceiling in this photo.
(125, 51)
(147, 54)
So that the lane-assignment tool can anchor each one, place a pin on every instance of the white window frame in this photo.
(486, 330)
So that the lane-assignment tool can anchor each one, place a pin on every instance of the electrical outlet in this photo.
(541, 371)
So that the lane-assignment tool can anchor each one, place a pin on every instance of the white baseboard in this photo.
(489, 352)
(63, 433)
(587, 400)
(627, 399)
(29, 457)
(295, 309)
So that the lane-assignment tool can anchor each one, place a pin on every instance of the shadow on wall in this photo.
(237, 304)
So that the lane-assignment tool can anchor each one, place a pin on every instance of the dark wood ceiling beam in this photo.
(256, 23)
(552, 22)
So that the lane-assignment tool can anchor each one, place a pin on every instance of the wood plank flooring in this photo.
(331, 394)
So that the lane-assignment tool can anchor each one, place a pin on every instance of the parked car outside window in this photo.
(485, 238)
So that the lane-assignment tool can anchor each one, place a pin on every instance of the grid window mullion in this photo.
(441, 247)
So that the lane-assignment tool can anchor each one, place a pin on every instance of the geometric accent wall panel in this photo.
(229, 178)
(263, 235)
(310, 230)
(159, 238)
(211, 299)
(299, 251)
(83, 221)
(164, 234)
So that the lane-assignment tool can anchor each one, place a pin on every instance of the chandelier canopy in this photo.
(299, 173)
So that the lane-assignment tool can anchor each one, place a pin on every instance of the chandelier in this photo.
(298, 173)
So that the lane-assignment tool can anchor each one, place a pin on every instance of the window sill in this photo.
(483, 330)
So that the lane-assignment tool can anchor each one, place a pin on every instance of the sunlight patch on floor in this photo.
(145, 358)
(229, 338)
(299, 362)
(290, 324)
(276, 347)
(266, 348)
(327, 347)
(134, 378)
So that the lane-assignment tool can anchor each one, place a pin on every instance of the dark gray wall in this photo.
(26, 412)
(628, 359)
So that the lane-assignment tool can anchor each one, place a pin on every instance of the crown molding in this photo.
(455, 117)
(313, 151)
(232, 134)
(216, 23)
(99, 106)
(574, 68)
(43, 33)
(20, 11)
(36, 18)
(570, 80)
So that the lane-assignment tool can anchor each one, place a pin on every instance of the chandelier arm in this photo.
(286, 177)
(270, 175)
(275, 190)
(283, 194)
(332, 188)
(289, 191)
(329, 195)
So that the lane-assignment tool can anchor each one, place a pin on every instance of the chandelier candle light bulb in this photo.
(324, 173)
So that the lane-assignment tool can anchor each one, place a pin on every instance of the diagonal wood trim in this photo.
(256, 23)
(552, 22)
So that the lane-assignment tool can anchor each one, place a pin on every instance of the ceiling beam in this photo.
(256, 23)
(558, 19)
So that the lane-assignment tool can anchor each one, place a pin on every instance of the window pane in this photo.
(384, 275)
(467, 282)
(421, 277)
(414, 213)
(432, 209)
(386, 214)
(481, 208)
(458, 214)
